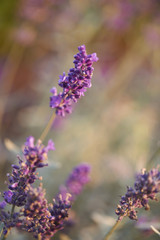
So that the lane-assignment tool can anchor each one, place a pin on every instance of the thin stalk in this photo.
(12, 210)
(48, 127)
(111, 230)
(155, 230)
(154, 155)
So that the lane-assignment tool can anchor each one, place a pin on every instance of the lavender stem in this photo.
(48, 127)
(111, 230)
(12, 210)
(152, 158)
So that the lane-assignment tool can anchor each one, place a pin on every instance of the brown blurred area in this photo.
(115, 127)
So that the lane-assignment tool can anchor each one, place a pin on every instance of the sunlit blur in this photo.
(115, 127)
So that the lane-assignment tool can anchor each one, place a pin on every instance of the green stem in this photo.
(12, 210)
(152, 158)
(111, 230)
(48, 127)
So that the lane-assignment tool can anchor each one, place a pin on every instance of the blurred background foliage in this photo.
(115, 127)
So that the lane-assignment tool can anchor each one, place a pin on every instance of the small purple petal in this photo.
(8, 196)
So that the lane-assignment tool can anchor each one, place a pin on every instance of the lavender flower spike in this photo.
(24, 174)
(41, 218)
(35, 211)
(75, 83)
(146, 186)
(76, 181)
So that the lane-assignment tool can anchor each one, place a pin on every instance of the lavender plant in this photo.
(30, 210)
(146, 187)
(35, 214)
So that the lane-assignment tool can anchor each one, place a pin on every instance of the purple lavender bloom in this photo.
(36, 155)
(35, 211)
(24, 174)
(75, 83)
(76, 181)
(2, 204)
(146, 186)
(59, 215)
(41, 218)
(35, 214)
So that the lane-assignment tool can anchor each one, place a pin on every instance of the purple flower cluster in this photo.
(41, 218)
(30, 210)
(147, 185)
(75, 83)
(35, 214)
(76, 181)
(20, 180)
(24, 174)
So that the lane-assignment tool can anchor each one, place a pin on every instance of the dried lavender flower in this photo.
(75, 83)
(147, 185)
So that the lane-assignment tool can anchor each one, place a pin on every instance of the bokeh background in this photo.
(115, 127)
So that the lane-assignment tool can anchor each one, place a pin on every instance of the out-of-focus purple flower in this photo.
(24, 174)
(24, 35)
(152, 35)
(146, 186)
(75, 83)
(2, 204)
(76, 181)
(35, 11)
